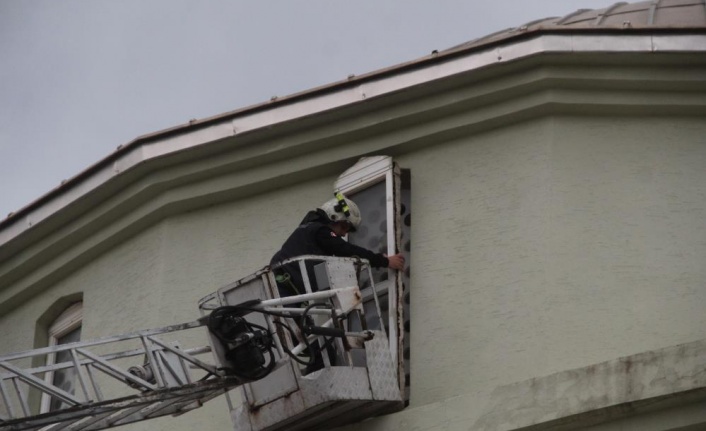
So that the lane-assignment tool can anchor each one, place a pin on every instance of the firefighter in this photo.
(320, 233)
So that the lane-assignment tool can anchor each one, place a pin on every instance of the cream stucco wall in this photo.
(555, 244)
(546, 246)
(539, 247)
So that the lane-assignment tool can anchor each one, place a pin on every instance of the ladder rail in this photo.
(167, 362)
(120, 355)
(103, 340)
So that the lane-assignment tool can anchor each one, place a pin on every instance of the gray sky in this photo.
(79, 78)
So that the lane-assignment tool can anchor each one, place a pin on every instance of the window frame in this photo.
(368, 172)
(69, 320)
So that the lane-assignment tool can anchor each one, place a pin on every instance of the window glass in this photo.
(372, 234)
(65, 329)
(64, 379)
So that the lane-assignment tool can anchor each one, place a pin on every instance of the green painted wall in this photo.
(548, 246)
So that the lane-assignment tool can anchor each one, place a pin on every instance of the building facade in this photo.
(557, 176)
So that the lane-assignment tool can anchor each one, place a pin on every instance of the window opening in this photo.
(382, 192)
(372, 234)
(65, 329)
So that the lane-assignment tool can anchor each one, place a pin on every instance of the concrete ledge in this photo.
(602, 392)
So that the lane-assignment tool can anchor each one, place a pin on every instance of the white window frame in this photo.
(368, 172)
(69, 320)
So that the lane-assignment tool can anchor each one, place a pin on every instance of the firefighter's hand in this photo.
(395, 261)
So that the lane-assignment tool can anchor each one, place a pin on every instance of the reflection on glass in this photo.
(372, 234)
(65, 378)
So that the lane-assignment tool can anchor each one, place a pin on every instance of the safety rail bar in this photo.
(350, 295)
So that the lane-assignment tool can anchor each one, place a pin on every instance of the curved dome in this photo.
(678, 14)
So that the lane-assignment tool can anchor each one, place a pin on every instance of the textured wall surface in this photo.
(547, 237)
(545, 246)
(548, 245)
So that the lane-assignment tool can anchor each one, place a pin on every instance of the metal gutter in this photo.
(353, 90)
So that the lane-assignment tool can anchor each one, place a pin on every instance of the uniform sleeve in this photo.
(337, 246)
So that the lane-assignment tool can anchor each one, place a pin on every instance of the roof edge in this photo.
(380, 79)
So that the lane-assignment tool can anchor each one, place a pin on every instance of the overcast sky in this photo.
(79, 78)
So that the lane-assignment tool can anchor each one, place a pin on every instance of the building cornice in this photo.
(352, 91)
(235, 156)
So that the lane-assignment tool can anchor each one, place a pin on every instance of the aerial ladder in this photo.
(307, 361)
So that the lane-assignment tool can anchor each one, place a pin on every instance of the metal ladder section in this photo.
(119, 379)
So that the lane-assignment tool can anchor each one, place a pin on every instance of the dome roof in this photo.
(653, 14)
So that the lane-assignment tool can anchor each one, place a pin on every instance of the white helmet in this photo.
(341, 208)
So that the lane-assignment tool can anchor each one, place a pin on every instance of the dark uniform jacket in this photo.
(314, 236)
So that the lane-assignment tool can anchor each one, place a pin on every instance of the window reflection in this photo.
(66, 378)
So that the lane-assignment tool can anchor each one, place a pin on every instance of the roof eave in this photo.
(377, 83)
